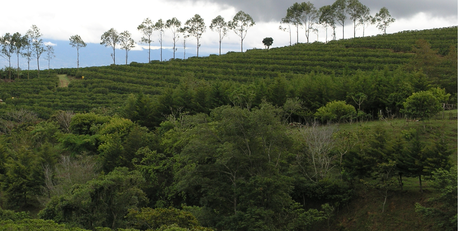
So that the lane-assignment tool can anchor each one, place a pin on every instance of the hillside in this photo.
(109, 86)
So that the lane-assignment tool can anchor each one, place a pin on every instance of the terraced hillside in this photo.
(109, 86)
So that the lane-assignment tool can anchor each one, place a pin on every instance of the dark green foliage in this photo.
(100, 202)
(443, 206)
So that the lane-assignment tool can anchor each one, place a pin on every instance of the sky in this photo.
(58, 20)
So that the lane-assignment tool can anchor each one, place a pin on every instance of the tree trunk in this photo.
(197, 46)
(78, 58)
(38, 67)
(18, 64)
(126, 62)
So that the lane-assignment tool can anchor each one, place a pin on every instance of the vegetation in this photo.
(296, 138)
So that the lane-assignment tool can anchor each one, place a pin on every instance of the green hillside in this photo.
(109, 86)
(356, 134)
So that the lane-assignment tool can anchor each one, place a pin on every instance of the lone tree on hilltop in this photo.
(240, 24)
(268, 42)
(111, 38)
(76, 41)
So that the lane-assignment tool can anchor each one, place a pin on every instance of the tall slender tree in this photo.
(383, 19)
(293, 17)
(196, 28)
(340, 9)
(174, 25)
(147, 28)
(126, 43)
(77, 42)
(185, 35)
(19, 42)
(111, 38)
(28, 50)
(160, 27)
(365, 18)
(7, 49)
(356, 10)
(37, 45)
(49, 55)
(240, 25)
(326, 18)
(219, 25)
(285, 25)
(308, 16)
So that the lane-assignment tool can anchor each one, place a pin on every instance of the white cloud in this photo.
(50, 44)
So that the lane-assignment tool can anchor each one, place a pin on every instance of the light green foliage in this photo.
(336, 111)
(35, 224)
(87, 123)
(153, 219)
(119, 141)
(443, 206)
(422, 105)
(100, 202)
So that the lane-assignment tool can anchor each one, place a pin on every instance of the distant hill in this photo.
(92, 55)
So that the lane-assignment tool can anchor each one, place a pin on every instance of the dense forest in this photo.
(288, 138)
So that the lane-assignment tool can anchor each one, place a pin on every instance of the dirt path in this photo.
(63, 80)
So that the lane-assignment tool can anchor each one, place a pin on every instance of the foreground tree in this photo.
(196, 27)
(174, 25)
(77, 42)
(126, 43)
(111, 38)
(383, 19)
(240, 24)
(147, 28)
(219, 25)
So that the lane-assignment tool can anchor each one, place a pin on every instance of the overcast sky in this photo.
(59, 19)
